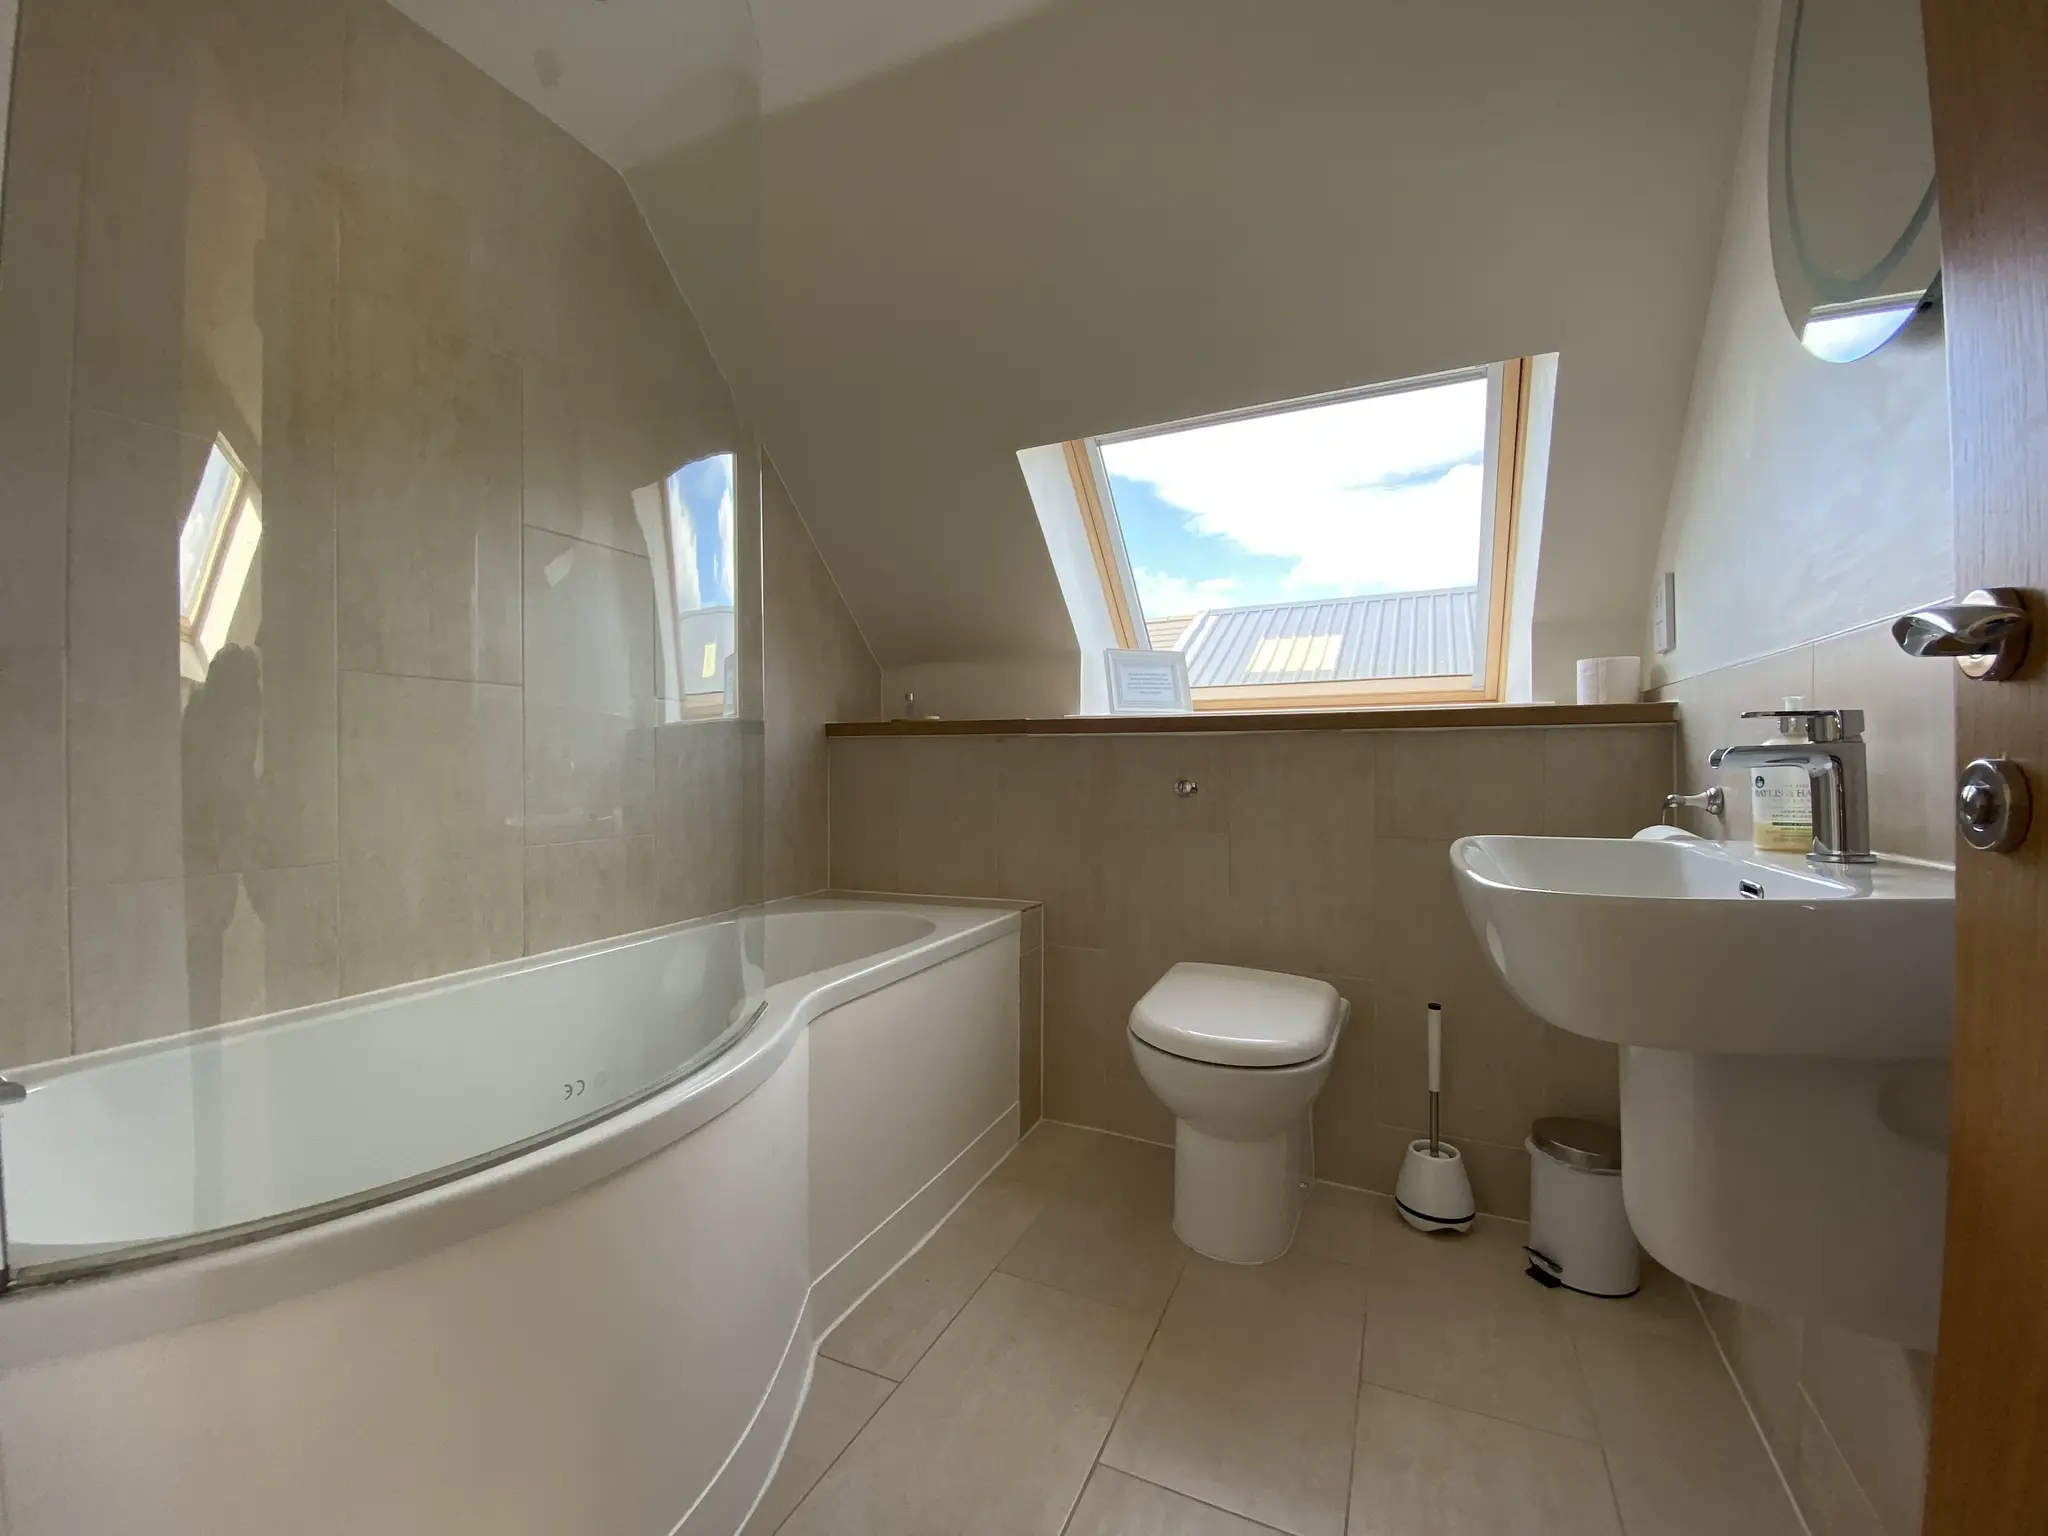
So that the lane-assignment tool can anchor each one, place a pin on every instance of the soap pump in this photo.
(1781, 796)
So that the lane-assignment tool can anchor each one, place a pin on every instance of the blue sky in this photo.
(1381, 494)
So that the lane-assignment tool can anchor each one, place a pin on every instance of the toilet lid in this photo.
(1233, 1017)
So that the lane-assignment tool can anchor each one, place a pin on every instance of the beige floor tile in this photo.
(1050, 1153)
(1682, 1450)
(1427, 1470)
(896, 1324)
(1107, 1232)
(1116, 1505)
(995, 1430)
(1245, 1398)
(1455, 1319)
(1338, 1223)
(839, 1405)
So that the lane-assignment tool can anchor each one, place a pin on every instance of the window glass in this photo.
(1327, 543)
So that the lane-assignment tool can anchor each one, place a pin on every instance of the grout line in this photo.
(1124, 1401)
(1179, 1494)
(826, 1470)
(1599, 1437)
(1749, 1408)
(1481, 1413)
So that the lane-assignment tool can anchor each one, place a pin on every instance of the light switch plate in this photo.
(1664, 614)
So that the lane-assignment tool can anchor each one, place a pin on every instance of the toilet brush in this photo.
(1434, 1193)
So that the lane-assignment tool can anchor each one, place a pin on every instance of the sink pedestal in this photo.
(1814, 1187)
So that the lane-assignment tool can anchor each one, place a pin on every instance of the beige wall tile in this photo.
(35, 1007)
(864, 795)
(1607, 781)
(1114, 1504)
(1446, 784)
(128, 976)
(1005, 1413)
(1455, 1320)
(1709, 716)
(1107, 1231)
(1910, 724)
(1030, 1037)
(1345, 1146)
(575, 482)
(946, 806)
(157, 957)
(703, 825)
(1138, 775)
(1244, 1399)
(576, 892)
(430, 162)
(428, 488)
(1050, 834)
(431, 861)
(1426, 1467)
(1494, 1059)
(38, 304)
(131, 487)
(588, 775)
(589, 616)
(840, 1402)
(1873, 1396)
(891, 1329)
(818, 669)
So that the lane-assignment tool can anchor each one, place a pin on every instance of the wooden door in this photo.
(1988, 76)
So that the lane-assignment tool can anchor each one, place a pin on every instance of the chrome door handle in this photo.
(1986, 633)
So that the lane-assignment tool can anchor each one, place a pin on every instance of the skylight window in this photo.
(1344, 550)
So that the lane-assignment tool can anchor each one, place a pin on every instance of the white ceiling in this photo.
(633, 79)
(811, 47)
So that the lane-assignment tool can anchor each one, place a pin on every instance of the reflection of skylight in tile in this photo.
(217, 546)
(201, 538)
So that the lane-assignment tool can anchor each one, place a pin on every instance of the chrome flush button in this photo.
(1994, 805)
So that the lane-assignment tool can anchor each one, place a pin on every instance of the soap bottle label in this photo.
(1781, 809)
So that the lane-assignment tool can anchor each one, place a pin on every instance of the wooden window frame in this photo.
(1508, 425)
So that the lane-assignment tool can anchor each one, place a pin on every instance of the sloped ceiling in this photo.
(1115, 213)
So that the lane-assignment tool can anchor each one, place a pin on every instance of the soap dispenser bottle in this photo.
(1781, 797)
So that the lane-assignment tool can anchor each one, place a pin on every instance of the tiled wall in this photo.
(819, 669)
(1318, 852)
(1909, 725)
(438, 336)
(1845, 1415)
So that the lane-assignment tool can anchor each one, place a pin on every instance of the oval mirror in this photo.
(1854, 233)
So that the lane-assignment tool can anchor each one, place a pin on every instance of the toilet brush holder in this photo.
(1434, 1192)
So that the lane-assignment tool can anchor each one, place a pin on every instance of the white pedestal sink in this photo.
(1785, 1040)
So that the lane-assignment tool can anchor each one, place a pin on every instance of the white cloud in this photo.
(1163, 596)
(1310, 486)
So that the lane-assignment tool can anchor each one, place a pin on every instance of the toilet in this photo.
(1238, 1056)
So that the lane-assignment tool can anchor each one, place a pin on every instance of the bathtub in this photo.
(543, 1247)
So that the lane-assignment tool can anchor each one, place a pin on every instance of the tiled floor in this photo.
(1054, 1361)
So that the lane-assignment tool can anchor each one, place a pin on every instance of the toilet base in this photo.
(1239, 1201)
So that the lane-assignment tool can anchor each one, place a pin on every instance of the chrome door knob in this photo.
(1994, 805)
(1986, 633)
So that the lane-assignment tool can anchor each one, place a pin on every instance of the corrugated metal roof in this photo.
(1352, 639)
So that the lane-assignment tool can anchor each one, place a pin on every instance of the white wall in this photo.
(1810, 497)
(1120, 212)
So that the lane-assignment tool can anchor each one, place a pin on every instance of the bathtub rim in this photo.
(115, 1307)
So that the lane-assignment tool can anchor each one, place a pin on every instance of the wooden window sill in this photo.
(1426, 717)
